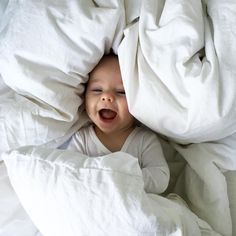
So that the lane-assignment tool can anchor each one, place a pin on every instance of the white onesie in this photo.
(141, 143)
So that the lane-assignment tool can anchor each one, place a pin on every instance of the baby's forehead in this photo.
(94, 80)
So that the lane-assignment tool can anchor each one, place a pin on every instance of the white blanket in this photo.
(67, 193)
(178, 67)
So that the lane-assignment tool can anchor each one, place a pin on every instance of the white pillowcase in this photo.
(47, 49)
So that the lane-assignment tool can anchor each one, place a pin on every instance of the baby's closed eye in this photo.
(120, 92)
(96, 90)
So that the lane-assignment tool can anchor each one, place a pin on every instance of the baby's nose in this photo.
(107, 97)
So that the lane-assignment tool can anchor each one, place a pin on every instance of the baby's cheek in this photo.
(127, 113)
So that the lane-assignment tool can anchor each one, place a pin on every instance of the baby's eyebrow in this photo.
(95, 80)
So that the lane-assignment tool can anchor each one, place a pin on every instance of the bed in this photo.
(178, 68)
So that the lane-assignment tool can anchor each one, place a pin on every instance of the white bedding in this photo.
(161, 61)
(94, 196)
(178, 68)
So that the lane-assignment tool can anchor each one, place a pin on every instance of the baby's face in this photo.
(105, 98)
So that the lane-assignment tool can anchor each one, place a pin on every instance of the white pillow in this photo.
(66, 194)
(47, 49)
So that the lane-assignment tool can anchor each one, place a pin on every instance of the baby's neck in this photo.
(113, 141)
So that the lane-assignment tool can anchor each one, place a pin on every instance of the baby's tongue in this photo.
(107, 114)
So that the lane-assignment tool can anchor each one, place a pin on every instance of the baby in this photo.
(114, 129)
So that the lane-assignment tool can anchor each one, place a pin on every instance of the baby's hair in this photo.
(106, 57)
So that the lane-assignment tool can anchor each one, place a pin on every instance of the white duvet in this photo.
(178, 67)
(95, 196)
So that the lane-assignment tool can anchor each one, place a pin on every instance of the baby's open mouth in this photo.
(107, 114)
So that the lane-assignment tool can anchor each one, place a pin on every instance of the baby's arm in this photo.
(155, 170)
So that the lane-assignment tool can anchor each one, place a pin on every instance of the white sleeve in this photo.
(76, 143)
(155, 170)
